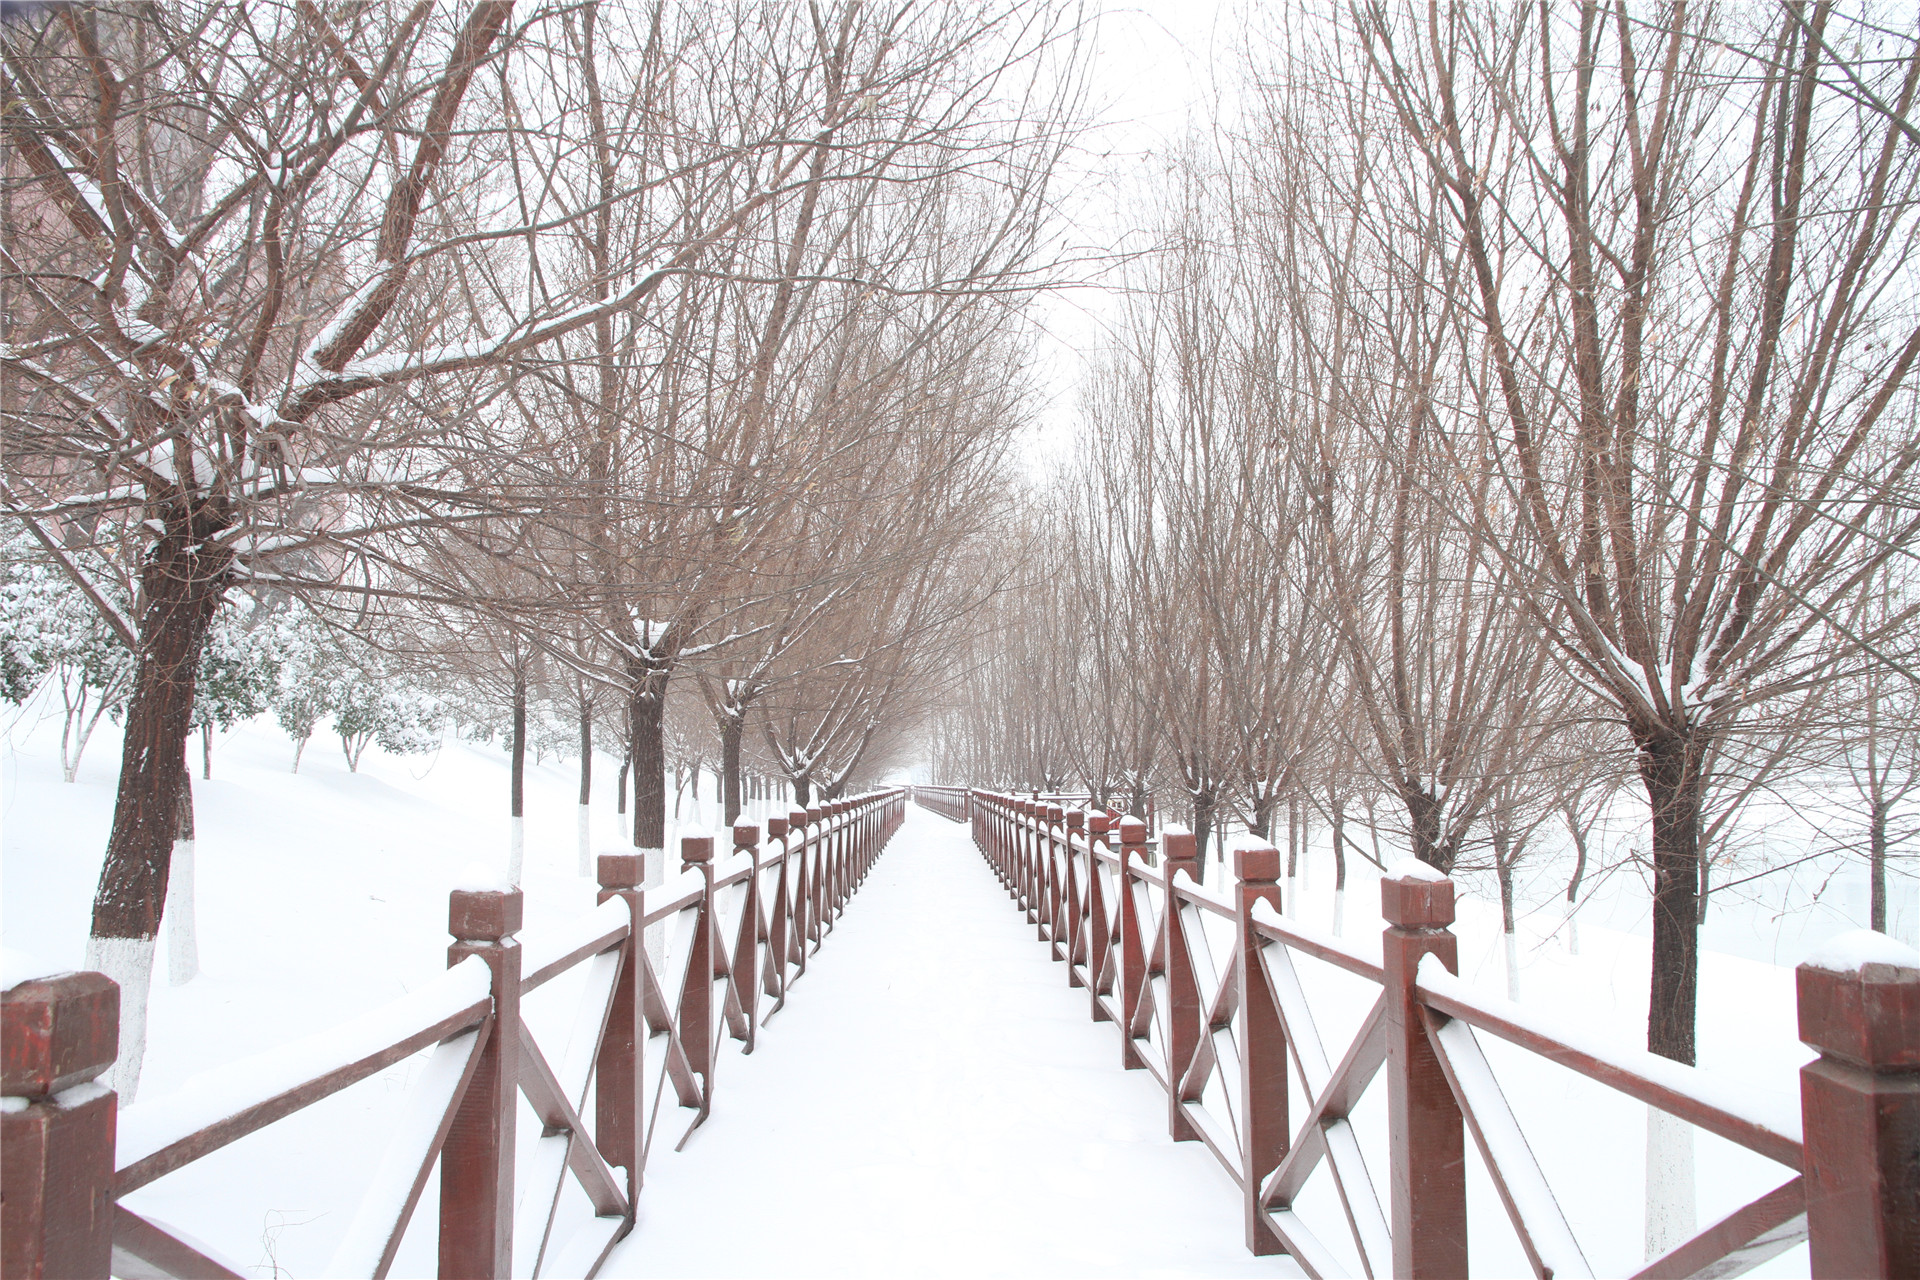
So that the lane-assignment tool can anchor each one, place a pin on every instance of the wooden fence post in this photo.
(1001, 818)
(1042, 869)
(1426, 1139)
(696, 991)
(619, 1068)
(1073, 917)
(1133, 954)
(802, 889)
(1183, 991)
(1860, 1113)
(817, 879)
(476, 1165)
(1099, 919)
(842, 856)
(1263, 1046)
(57, 1132)
(780, 932)
(747, 938)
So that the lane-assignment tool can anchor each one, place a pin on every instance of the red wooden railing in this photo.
(741, 932)
(1204, 990)
(948, 802)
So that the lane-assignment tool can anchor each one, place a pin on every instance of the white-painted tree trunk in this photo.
(183, 944)
(585, 831)
(129, 962)
(653, 874)
(516, 849)
(1573, 935)
(1339, 910)
(1290, 899)
(1513, 967)
(1670, 1192)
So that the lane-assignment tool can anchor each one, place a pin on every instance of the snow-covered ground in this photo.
(932, 1099)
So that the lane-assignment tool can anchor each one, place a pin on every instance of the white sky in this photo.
(1154, 70)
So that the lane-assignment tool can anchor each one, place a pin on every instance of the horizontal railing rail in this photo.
(741, 932)
(1203, 988)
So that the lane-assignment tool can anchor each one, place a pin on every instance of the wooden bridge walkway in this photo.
(976, 1125)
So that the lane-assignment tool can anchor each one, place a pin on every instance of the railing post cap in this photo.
(1179, 846)
(1133, 831)
(1076, 819)
(816, 813)
(484, 915)
(796, 819)
(57, 1032)
(620, 871)
(1055, 813)
(746, 834)
(1097, 823)
(696, 848)
(776, 828)
(1257, 864)
(1859, 1000)
(1415, 896)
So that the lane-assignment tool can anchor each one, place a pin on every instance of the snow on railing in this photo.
(1203, 987)
(740, 930)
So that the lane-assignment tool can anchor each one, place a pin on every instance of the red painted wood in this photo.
(620, 1067)
(1751, 1234)
(56, 1157)
(1183, 991)
(1735, 1129)
(746, 946)
(1074, 920)
(1263, 1047)
(696, 991)
(1426, 1138)
(57, 1032)
(1860, 1111)
(1133, 950)
(142, 1249)
(476, 1164)
(780, 926)
(821, 906)
(1099, 918)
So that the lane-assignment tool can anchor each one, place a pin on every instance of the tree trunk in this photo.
(1503, 871)
(180, 586)
(802, 792)
(1339, 810)
(1260, 821)
(586, 785)
(1203, 802)
(1877, 866)
(517, 833)
(1423, 824)
(732, 726)
(648, 711)
(206, 752)
(1670, 769)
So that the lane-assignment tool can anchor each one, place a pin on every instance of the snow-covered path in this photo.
(934, 1100)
